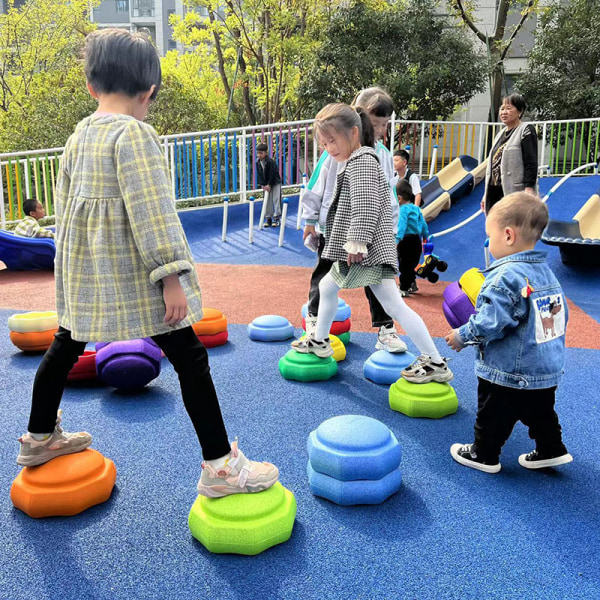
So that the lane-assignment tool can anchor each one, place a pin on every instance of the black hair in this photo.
(30, 205)
(404, 190)
(376, 101)
(367, 137)
(517, 101)
(262, 147)
(403, 153)
(119, 61)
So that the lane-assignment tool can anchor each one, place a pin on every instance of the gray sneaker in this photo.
(308, 345)
(424, 370)
(238, 476)
(34, 452)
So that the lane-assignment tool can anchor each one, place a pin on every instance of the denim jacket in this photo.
(520, 338)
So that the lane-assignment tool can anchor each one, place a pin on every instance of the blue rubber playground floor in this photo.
(450, 532)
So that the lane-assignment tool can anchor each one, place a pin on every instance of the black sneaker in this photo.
(267, 223)
(275, 223)
(463, 454)
(413, 289)
(539, 460)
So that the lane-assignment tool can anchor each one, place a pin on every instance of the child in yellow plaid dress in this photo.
(123, 266)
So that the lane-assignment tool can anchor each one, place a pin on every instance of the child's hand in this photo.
(267, 188)
(308, 229)
(175, 300)
(453, 340)
(355, 258)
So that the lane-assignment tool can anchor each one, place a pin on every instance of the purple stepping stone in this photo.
(457, 307)
(128, 365)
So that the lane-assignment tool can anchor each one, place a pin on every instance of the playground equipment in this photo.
(430, 263)
(212, 328)
(432, 400)
(353, 459)
(386, 367)
(307, 367)
(20, 253)
(244, 523)
(455, 180)
(33, 331)
(270, 328)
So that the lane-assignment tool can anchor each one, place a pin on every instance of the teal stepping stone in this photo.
(244, 523)
(307, 367)
(432, 400)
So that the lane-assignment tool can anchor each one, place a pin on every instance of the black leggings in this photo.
(184, 351)
(379, 317)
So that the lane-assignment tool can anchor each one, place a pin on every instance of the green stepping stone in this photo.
(432, 400)
(344, 337)
(244, 523)
(307, 367)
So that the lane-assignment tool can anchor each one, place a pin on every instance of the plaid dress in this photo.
(361, 212)
(118, 234)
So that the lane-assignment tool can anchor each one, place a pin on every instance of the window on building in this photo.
(123, 6)
(172, 45)
(143, 8)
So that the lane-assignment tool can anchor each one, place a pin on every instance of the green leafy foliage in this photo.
(406, 47)
(562, 80)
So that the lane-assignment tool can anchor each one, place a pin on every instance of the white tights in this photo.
(389, 296)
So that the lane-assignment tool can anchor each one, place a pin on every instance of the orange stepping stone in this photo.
(64, 486)
(32, 341)
(212, 322)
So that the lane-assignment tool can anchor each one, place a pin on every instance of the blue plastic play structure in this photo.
(454, 181)
(26, 254)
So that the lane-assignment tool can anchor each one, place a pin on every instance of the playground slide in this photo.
(454, 181)
(25, 254)
(578, 240)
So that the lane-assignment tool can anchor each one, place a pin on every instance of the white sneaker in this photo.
(389, 340)
(308, 345)
(424, 370)
(311, 325)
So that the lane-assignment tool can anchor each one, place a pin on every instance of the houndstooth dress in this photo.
(361, 212)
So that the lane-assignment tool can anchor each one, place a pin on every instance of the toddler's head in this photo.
(379, 106)
(33, 208)
(341, 130)
(404, 192)
(515, 224)
(120, 62)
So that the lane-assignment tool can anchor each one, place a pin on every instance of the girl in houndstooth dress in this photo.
(360, 242)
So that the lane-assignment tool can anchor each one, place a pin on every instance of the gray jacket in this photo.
(361, 211)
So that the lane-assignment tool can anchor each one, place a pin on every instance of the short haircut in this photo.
(117, 61)
(30, 205)
(342, 118)
(262, 147)
(524, 212)
(376, 101)
(404, 190)
(403, 153)
(517, 101)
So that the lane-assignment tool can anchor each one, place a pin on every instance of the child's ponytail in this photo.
(367, 137)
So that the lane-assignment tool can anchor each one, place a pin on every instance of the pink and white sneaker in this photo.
(237, 476)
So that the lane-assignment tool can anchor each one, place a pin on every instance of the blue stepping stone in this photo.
(386, 367)
(347, 493)
(343, 311)
(352, 447)
(270, 328)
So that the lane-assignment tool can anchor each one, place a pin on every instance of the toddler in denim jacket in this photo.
(519, 331)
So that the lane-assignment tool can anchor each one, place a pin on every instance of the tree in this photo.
(428, 68)
(257, 47)
(42, 88)
(499, 43)
(562, 79)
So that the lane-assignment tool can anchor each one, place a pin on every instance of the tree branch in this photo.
(525, 15)
(468, 21)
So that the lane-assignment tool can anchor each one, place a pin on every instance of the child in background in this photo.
(123, 267)
(29, 226)
(519, 332)
(403, 171)
(269, 179)
(411, 231)
(360, 241)
(315, 205)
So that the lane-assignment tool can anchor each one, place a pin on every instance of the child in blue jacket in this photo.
(410, 233)
(519, 331)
